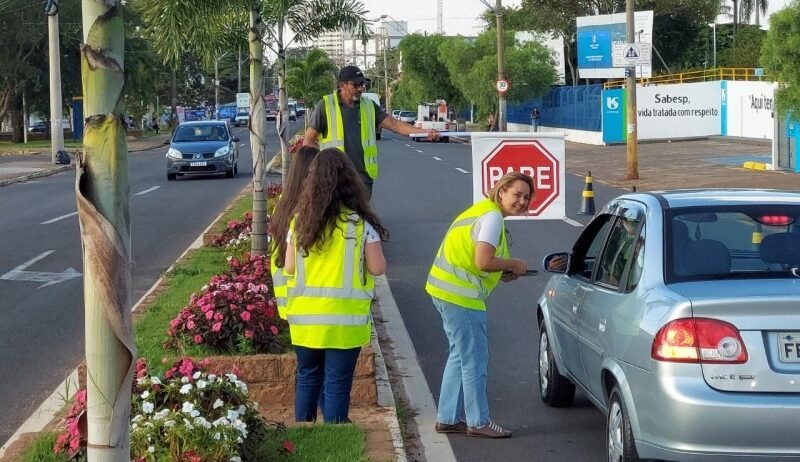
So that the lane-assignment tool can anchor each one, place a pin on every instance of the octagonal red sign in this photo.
(529, 157)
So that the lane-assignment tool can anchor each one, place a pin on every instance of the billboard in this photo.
(554, 44)
(747, 109)
(596, 35)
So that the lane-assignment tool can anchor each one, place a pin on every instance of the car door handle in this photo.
(602, 325)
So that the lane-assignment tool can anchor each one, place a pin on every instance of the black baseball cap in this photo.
(351, 74)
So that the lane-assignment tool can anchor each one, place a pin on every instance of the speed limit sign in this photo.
(502, 85)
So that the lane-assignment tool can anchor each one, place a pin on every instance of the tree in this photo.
(779, 57)
(311, 78)
(103, 195)
(747, 53)
(425, 76)
(473, 68)
(759, 7)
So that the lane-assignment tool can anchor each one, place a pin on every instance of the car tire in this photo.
(232, 172)
(620, 445)
(446, 139)
(554, 389)
(172, 176)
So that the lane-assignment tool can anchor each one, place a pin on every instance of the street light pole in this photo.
(714, 25)
(630, 89)
(56, 112)
(501, 109)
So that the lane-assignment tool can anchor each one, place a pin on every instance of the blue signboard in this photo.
(596, 36)
(723, 108)
(614, 116)
(594, 45)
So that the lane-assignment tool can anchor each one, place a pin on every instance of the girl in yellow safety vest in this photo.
(473, 258)
(334, 250)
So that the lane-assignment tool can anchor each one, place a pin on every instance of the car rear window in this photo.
(732, 242)
(189, 133)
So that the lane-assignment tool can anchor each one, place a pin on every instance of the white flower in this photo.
(141, 380)
(232, 415)
(145, 394)
(242, 386)
(201, 421)
(187, 407)
(147, 407)
(236, 459)
(169, 423)
(196, 375)
(137, 418)
(241, 409)
(194, 413)
(186, 389)
(239, 440)
(220, 421)
(212, 376)
(151, 449)
(161, 414)
(204, 288)
(184, 379)
(218, 404)
(201, 384)
(134, 426)
(155, 380)
(217, 436)
(232, 377)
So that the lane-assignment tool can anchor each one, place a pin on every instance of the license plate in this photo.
(197, 164)
(789, 347)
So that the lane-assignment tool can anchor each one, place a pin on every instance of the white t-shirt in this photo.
(488, 228)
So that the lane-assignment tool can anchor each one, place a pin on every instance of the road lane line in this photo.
(148, 190)
(58, 218)
(573, 222)
(462, 170)
(408, 145)
(437, 158)
(418, 150)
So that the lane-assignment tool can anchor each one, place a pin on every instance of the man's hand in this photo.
(558, 263)
(433, 135)
(508, 277)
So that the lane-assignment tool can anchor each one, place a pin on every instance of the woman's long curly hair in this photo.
(284, 209)
(332, 186)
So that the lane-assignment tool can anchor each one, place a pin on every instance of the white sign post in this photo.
(541, 156)
(631, 54)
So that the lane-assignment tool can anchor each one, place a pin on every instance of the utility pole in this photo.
(216, 87)
(386, 99)
(630, 88)
(239, 70)
(56, 112)
(501, 109)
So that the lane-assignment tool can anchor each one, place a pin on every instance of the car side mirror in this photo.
(235, 139)
(166, 141)
(556, 262)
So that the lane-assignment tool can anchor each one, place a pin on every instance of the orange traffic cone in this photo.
(587, 197)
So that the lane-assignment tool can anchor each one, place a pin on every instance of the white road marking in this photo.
(437, 158)
(58, 218)
(418, 150)
(462, 170)
(573, 222)
(408, 145)
(148, 190)
(49, 279)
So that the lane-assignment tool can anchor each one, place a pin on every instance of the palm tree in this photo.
(311, 78)
(307, 19)
(103, 195)
(759, 7)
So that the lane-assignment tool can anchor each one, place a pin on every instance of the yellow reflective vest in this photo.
(331, 291)
(454, 277)
(334, 137)
(279, 281)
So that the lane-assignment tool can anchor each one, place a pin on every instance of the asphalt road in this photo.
(41, 328)
(417, 196)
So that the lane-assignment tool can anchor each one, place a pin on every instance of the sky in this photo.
(459, 16)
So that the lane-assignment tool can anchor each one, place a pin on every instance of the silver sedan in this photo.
(678, 315)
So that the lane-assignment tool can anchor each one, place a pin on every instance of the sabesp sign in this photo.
(541, 157)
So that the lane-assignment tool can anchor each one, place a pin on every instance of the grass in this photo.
(38, 144)
(42, 450)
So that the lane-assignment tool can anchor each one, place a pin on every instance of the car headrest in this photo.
(704, 256)
(780, 248)
(680, 233)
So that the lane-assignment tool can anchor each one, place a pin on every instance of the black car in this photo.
(202, 147)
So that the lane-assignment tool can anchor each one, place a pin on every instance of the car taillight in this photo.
(699, 340)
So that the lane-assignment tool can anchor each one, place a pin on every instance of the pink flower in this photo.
(186, 367)
(216, 327)
(190, 325)
(248, 333)
(274, 330)
(245, 315)
(198, 338)
(209, 314)
(219, 316)
(175, 323)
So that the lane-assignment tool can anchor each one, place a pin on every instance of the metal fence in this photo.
(577, 108)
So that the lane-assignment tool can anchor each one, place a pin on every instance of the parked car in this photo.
(300, 109)
(396, 113)
(38, 127)
(202, 147)
(678, 315)
(407, 116)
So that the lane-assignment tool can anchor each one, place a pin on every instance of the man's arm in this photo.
(402, 128)
(316, 126)
(311, 137)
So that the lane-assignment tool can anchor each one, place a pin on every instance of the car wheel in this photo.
(232, 172)
(619, 437)
(446, 139)
(554, 389)
(171, 176)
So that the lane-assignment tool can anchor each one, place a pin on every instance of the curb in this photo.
(47, 411)
(761, 166)
(42, 173)
(386, 397)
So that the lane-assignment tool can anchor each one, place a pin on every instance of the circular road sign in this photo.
(502, 85)
(529, 157)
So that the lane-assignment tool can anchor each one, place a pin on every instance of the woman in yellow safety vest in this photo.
(279, 222)
(473, 258)
(333, 252)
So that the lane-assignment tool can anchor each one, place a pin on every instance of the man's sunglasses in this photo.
(358, 85)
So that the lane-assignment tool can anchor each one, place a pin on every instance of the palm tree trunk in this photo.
(283, 102)
(258, 135)
(735, 20)
(103, 194)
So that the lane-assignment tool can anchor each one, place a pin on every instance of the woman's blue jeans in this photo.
(463, 393)
(326, 370)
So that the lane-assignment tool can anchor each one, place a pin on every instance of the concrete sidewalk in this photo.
(15, 168)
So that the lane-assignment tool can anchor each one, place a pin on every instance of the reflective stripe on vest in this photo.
(329, 319)
(279, 283)
(334, 137)
(460, 281)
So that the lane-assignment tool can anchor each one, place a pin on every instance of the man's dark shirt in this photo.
(351, 118)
